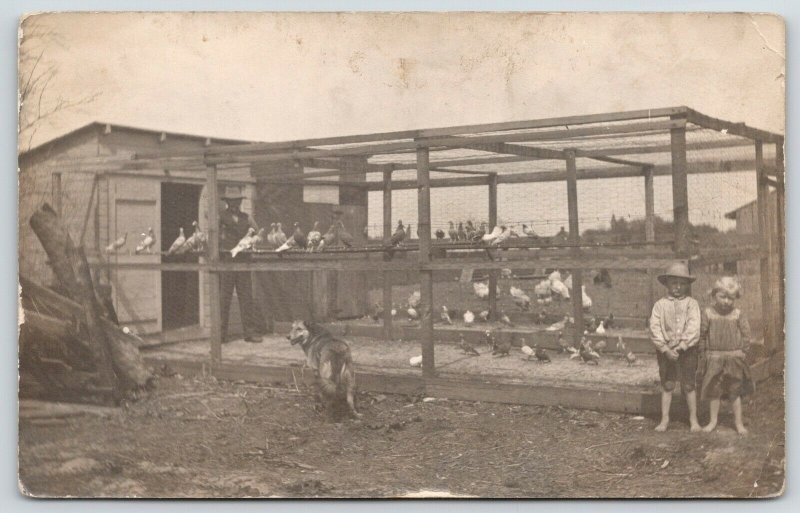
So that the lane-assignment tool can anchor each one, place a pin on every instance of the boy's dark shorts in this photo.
(683, 371)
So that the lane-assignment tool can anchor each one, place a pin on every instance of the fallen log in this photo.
(115, 357)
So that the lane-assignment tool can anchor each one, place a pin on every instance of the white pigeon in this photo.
(523, 302)
(527, 350)
(117, 244)
(178, 243)
(559, 288)
(484, 316)
(287, 245)
(314, 237)
(415, 361)
(195, 242)
(245, 243)
(414, 299)
(542, 289)
(481, 289)
(587, 301)
(601, 330)
(258, 238)
(469, 318)
(516, 292)
(555, 275)
(148, 239)
(446, 315)
(528, 231)
(504, 235)
(489, 237)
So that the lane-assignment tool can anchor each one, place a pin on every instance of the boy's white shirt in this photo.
(686, 330)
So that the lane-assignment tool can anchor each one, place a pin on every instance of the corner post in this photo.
(649, 225)
(387, 238)
(213, 258)
(764, 230)
(680, 190)
(426, 275)
(574, 240)
(493, 273)
(780, 208)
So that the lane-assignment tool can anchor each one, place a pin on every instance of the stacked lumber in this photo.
(70, 343)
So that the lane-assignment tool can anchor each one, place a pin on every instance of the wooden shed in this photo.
(91, 179)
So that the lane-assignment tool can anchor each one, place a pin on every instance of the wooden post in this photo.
(574, 238)
(213, 258)
(764, 231)
(649, 226)
(781, 242)
(492, 223)
(387, 238)
(680, 191)
(426, 277)
(57, 193)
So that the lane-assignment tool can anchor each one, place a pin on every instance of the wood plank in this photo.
(445, 131)
(662, 148)
(680, 190)
(574, 238)
(377, 149)
(212, 231)
(764, 229)
(740, 129)
(426, 276)
(516, 149)
(387, 237)
(649, 227)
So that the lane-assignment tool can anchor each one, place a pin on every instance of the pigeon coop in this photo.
(93, 179)
(671, 163)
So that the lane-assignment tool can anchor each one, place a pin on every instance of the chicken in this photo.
(601, 329)
(412, 313)
(178, 243)
(586, 300)
(484, 316)
(542, 289)
(588, 354)
(399, 234)
(501, 347)
(314, 238)
(516, 292)
(558, 287)
(280, 238)
(481, 289)
(523, 302)
(541, 354)
(328, 239)
(377, 313)
(439, 234)
(609, 321)
(526, 350)
(621, 347)
(490, 237)
(568, 282)
(446, 315)
(563, 344)
(343, 235)
(630, 358)
(414, 299)
(469, 318)
(528, 231)
(505, 320)
(466, 348)
(602, 278)
(300, 239)
(573, 353)
(461, 234)
(415, 361)
(560, 325)
(245, 243)
(452, 232)
(478, 235)
(273, 230)
(117, 244)
(146, 244)
(503, 236)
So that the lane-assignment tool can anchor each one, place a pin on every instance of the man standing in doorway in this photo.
(233, 225)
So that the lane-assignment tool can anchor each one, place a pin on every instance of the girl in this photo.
(725, 337)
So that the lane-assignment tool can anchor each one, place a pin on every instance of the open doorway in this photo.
(180, 290)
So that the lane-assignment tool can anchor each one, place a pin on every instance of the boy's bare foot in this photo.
(662, 427)
(709, 428)
(741, 430)
(695, 428)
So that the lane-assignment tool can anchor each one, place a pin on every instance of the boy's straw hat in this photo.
(232, 192)
(676, 270)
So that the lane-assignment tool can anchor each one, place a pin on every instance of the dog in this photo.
(329, 356)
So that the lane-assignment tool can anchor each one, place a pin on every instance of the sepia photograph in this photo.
(463, 255)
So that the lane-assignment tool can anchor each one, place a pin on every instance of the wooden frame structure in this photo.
(608, 141)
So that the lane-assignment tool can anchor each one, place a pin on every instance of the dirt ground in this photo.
(197, 437)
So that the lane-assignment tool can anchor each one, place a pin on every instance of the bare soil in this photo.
(204, 438)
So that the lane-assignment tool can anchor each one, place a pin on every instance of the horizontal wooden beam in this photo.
(454, 142)
(517, 149)
(475, 161)
(662, 148)
(462, 171)
(447, 131)
(739, 129)
(702, 167)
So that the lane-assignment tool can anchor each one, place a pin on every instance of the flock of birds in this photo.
(466, 232)
(192, 244)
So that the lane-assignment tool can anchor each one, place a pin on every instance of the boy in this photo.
(675, 331)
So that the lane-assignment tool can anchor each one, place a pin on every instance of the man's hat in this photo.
(232, 192)
(676, 270)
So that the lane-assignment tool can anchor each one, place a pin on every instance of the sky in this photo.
(280, 76)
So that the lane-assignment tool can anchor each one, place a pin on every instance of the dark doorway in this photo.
(180, 290)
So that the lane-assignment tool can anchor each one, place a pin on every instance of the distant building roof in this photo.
(732, 214)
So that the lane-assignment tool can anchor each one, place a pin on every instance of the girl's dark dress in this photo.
(724, 340)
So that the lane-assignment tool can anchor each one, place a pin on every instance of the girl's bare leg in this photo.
(737, 416)
(713, 413)
(691, 401)
(666, 403)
